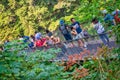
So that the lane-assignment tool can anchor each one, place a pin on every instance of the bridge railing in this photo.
(66, 47)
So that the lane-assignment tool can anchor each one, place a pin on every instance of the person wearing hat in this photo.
(64, 30)
(108, 18)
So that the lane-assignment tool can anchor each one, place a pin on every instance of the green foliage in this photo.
(116, 31)
(31, 14)
(26, 16)
(18, 63)
(103, 67)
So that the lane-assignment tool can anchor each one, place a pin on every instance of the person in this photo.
(64, 30)
(56, 40)
(32, 42)
(48, 41)
(108, 18)
(49, 33)
(101, 31)
(86, 34)
(40, 42)
(20, 37)
(75, 24)
(74, 33)
(25, 39)
(116, 14)
(75, 36)
(6, 42)
(37, 35)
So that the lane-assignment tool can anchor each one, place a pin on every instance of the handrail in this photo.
(91, 36)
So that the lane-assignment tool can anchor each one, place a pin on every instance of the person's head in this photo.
(72, 28)
(33, 37)
(19, 36)
(36, 32)
(94, 21)
(47, 31)
(61, 22)
(47, 37)
(72, 20)
(104, 12)
(7, 40)
(52, 38)
(114, 12)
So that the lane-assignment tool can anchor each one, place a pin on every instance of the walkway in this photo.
(92, 47)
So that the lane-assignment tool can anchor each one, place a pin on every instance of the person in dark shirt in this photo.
(49, 33)
(64, 30)
(25, 39)
(75, 37)
(76, 25)
(31, 41)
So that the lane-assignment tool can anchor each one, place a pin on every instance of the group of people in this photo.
(38, 40)
(73, 32)
(113, 18)
(76, 32)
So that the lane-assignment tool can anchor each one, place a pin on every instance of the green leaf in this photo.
(43, 75)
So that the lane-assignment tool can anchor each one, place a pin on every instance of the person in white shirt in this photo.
(101, 31)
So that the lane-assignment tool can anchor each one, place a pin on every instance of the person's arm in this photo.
(34, 45)
(106, 17)
(59, 29)
(81, 26)
(74, 32)
(58, 40)
(114, 22)
(67, 27)
(93, 25)
(45, 44)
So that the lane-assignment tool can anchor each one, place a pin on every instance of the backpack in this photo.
(63, 29)
(117, 18)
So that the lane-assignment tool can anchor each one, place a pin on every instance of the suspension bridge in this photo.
(93, 42)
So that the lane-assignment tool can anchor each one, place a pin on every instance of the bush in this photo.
(16, 63)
